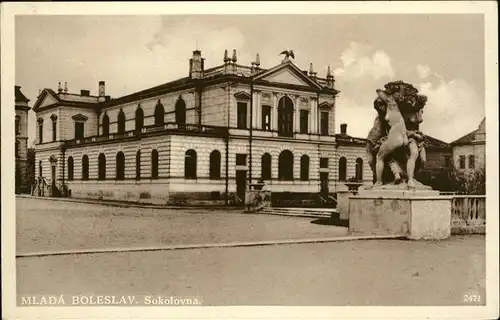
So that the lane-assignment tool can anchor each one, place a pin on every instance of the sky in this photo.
(442, 55)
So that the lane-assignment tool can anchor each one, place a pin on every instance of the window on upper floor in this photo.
(266, 118)
(17, 126)
(121, 122)
(139, 119)
(472, 162)
(241, 115)
(304, 121)
(54, 130)
(324, 123)
(180, 112)
(159, 114)
(79, 130)
(461, 162)
(285, 116)
(105, 125)
(17, 150)
(40, 130)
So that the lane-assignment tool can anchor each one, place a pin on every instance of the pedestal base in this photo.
(421, 214)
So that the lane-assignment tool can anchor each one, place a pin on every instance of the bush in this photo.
(451, 180)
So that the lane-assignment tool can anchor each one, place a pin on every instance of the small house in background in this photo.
(469, 150)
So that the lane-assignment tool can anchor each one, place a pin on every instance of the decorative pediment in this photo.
(53, 117)
(52, 159)
(288, 73)
(46, 98)
(242, 95)
(39, 120)
(326, 105)
(79, 118)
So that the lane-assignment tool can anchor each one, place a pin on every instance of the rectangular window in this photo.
(323, 162)
(447, 161)
(266, 118)
(472, 163)
(40, 132)
(304, 121)
(461, 161)
(241, 159)
(324, 123)
(18, 122)
(54, 130)
(79, 130)
(242, 115)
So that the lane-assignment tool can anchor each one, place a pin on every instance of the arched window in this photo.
(120, 166)
(139, 119)
(85, 167)
(70, 168)
(285, 116)
(121, 122)
(40, 168)
(180, 112)
(342, 169)
(54, 127)
(285, 165)
(154, 164)
(266, 166)
(138, 165)
(105, 125)
(359, 169)
(215, 165)
(159, 114)
(102, 166)
(190, 164)
(304, 168)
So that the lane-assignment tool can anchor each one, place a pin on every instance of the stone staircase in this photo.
(301, 212)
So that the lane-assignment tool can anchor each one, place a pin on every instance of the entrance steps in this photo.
(301, 212)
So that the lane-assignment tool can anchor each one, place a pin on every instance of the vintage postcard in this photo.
(226, 160)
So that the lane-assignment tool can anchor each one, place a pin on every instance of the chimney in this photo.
(65, 87)
(234, 59)
(343, 129)
(59, 88)
(329, 78)
(311, 69)
(257, 60)
(85, 93)
(226, 57)
(196, 65)
(102, 88)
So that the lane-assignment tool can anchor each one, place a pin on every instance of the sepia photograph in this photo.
(321, 155)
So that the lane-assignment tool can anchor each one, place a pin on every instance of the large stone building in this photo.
(469, 150)
(198, 139)
(22, 183)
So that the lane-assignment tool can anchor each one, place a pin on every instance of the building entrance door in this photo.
(323, 177)
(241, 184)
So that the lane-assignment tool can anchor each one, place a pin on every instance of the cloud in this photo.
(364, 69)
(453, 107)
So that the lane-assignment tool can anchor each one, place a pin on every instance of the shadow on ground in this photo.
(332, 222)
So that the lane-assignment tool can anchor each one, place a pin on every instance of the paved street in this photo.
(374, 272)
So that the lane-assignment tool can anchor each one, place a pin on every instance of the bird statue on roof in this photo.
(288, 54)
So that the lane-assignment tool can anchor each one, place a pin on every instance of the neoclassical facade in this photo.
(199, 139)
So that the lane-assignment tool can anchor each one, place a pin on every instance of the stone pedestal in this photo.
(343, 203)
(415, 214)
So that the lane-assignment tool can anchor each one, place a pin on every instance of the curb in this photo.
(129, 204)
(207, 246)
